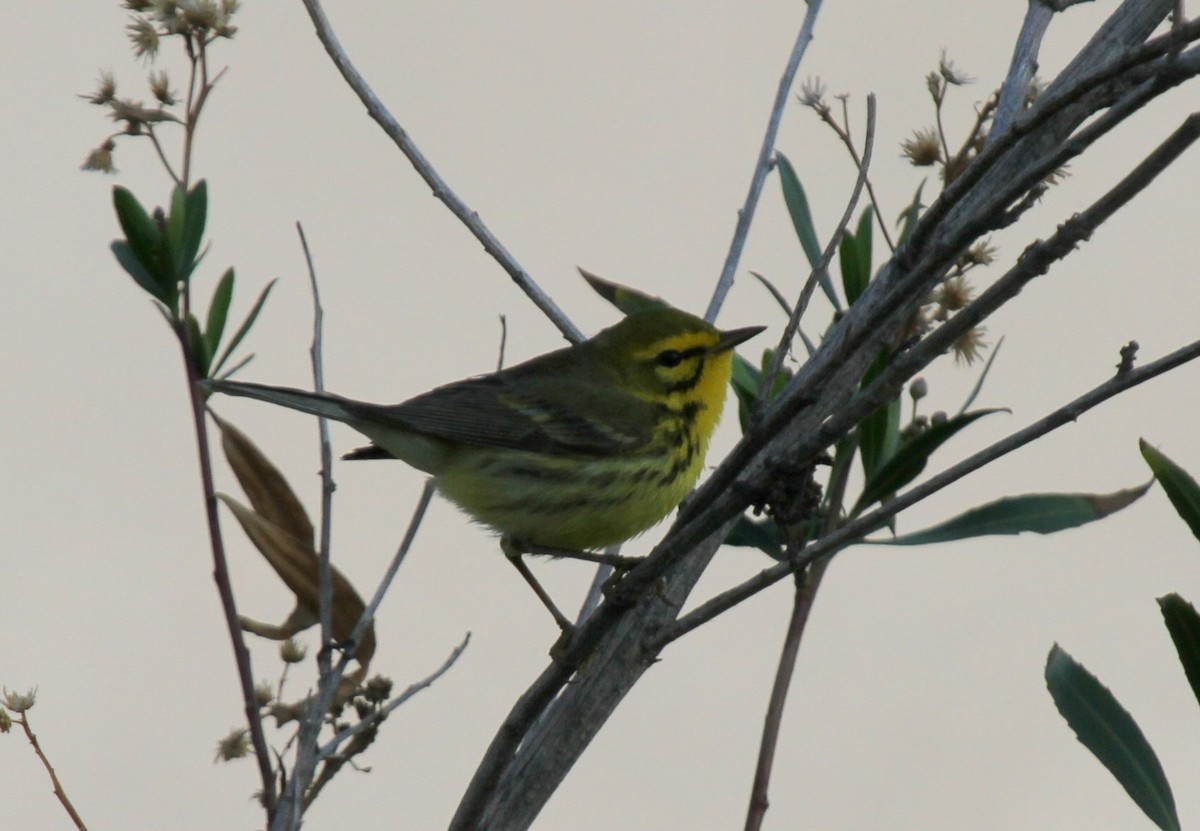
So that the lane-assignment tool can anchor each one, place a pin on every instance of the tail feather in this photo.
(319, 404)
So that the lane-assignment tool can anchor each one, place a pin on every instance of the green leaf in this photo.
(198, 346)
(623, 297)
(982, 377)
(145, 242)
(1105, 728)
(911, 457)
(1181, 488)
(797, 205)
(242, 330)
(746, 381)
(911, 214)
(196, 206)
(806, 232)
(133, 266)
(855, 257)
(1038, 513)
(217, 312)
(1184, 625)
(765, 535)
(879, 433)
(175, 222)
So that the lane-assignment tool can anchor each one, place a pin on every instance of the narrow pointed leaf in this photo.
(145, 242)
(623, 297)
(797, 205)
(199, 347)
(176, 220)
(243, 329)
(266, 488)
(911, 457)
(1105, 728)
(1037, 513)
(1183, 623)
(196, 206)
(880, 431)
(987, 367)
(908, 219)
(746, 381)
(1181, 488)
(855, 258)
(134, 268)
(218, 310)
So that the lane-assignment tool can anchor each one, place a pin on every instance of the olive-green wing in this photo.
(561, 416)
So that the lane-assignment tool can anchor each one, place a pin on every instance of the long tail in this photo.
(330, 406)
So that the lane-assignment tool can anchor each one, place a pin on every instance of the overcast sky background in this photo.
(619, 137)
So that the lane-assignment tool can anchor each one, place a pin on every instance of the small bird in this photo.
(572, 451)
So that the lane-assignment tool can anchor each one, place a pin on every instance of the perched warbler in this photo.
(575, 450)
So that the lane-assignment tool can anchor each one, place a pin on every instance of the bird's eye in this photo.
(669, 358)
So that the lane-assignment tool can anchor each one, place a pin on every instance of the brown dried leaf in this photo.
(263, 484)
(296, 564)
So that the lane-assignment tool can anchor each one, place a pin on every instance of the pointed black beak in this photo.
(733, 337)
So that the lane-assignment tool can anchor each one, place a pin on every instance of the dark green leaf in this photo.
(806, 232)
(911, 457)
(1039, 513)
(1184, 625)
(764, 535)
(199, 348)
(1181, 488)
(746, 381)
(624, 298)
(196, 205)
(217, 312)
(911, 214)
(242, 330)
(982, 377)
(1105, 728)
(145, 242)
(855, 257)
(797, 205)
(176, 220)
(133, 266)
(879, 433)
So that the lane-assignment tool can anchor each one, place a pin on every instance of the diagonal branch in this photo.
(762, 165)
(441, 190)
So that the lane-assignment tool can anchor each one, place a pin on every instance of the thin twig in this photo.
(762, 165)
(325, 697)
(855, 530)
(441, 190)
(373, 719)
(293, 802)
(59, 791)
(843, 133)
(808, 583)
(221, 577)
(822, 265)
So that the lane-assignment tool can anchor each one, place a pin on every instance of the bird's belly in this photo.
(570, 503)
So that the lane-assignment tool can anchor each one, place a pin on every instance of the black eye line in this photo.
(672, 357)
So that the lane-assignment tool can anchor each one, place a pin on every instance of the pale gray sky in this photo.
(619, 137)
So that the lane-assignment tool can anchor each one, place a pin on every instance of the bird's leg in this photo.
(514, 552)
(614, 560)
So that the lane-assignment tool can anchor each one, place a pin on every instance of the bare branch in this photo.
(765, 159)
(441, 190)
(374, 719)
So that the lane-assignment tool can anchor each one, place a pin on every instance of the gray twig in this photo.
(441, 190)
(762, 165)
